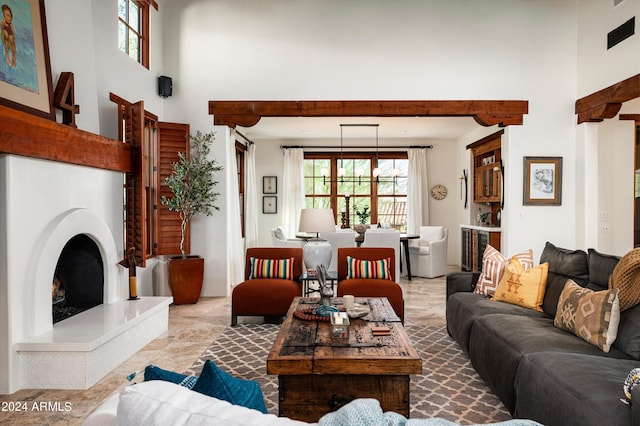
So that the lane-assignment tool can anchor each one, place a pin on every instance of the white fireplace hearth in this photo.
(44, 205)
(81, 350)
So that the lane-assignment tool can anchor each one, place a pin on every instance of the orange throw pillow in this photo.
(523, 287)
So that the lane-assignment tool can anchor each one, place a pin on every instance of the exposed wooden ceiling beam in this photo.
(486, 113)
(606, 103)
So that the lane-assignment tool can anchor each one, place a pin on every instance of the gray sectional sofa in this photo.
(541, 372)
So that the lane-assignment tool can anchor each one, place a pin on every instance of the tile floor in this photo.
(192, 328)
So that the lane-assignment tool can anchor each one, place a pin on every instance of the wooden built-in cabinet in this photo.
(486, 172)
(474, 241)
(487, 177)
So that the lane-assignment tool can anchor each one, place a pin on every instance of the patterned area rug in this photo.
(449, 387)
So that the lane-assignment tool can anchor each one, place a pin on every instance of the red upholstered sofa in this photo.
(266, 296)
(370, 287)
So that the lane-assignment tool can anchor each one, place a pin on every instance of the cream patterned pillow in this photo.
(494, 264)
(591, 315)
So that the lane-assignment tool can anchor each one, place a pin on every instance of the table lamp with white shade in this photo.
(317, 251)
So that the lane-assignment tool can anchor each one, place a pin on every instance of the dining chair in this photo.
(279, 239)
(346, 238)
(377, 237)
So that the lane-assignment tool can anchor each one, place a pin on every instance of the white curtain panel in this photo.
(417, 191)
(293, 190)
(235, 246)
(250, 199)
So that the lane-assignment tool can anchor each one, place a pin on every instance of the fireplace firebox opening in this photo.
(78, 282)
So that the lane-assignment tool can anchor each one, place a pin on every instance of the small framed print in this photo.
(269, 204)
(542, 181)
(269, 184)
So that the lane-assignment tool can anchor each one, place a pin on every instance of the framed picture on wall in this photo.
(542, 181)
(25, 77)
(270, 204)
(269, 184)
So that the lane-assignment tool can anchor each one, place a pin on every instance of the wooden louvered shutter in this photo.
(136, 212)
(171, 138)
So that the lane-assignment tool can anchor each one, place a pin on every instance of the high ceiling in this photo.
(300, 128)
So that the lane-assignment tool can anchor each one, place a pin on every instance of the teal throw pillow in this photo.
(151, 372)
(219, 384)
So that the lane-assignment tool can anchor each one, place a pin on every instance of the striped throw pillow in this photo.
(494, 264)
(360, 268)
(271, 268)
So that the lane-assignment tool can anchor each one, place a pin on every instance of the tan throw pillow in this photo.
(591, 315)
(626, 278)
(523, 287)
(494, 264)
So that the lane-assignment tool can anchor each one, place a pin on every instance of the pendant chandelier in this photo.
(359, 177)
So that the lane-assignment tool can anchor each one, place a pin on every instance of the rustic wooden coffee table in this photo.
(317, 375)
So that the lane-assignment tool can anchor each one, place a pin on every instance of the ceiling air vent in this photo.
(621, 33)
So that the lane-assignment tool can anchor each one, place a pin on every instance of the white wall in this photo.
(441, 169)
(83, 39)
(615, 193)
(605, 151)
(599, 67)
(308, 49)
(209, 234)
(270, 162)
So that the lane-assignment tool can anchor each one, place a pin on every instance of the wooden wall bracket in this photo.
(606, 103)
(486, 113)
(64, 99)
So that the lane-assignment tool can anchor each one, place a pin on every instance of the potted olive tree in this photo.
(193, 184)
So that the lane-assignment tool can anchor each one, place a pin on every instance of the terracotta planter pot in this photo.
(185, 279)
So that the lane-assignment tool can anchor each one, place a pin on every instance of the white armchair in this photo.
(279, 239)
(429, 257)
(342, 238)
(375, 237)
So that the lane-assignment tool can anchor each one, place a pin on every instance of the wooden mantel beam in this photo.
(32, 136)
(486, 113)
(606, 103)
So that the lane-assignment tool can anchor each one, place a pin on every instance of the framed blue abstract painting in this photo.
(25, 70)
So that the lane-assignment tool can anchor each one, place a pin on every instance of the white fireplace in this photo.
(43, 205)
